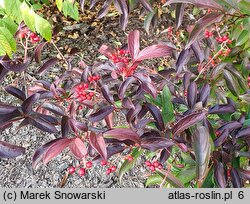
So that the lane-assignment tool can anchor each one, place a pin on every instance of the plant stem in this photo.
(60, 53)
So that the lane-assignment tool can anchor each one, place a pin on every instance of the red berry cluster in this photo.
(82, 170)
(224, 39)
(170, 31)
(225, 52)
(208, 34)
(26, 33)
(248, 80)
(82, 93)
(94, 78)
(154, 165)
(111, 169)
(120, 56)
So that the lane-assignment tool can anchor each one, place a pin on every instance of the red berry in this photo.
(148, 163)
(248, 78)
(249, 84)
(94, 78)
(98, 77)
(229, 41)
(85, 85)
(88, 97)
(33, 35)
(80, 107)
(152, 168)
(90, 79)
(81, 172)
(108, 171)
(71, 170)
(129, 158)
(21, 35)
(104, 162)
(91, 94)
(89, 164)
(113, 168)
(217, 133)
(36, 39)
(156, 163)
(225, 38)
(160, 166)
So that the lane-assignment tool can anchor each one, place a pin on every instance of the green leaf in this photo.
(43, 27)
(171, 179)
(156, 101)
(244, 6)
(28, 16)
(167, 106)
(208, 182)
(154, 179)
(244, 37)
(70, 9)
(9, 24)
(148, 20)
(12, 9)
(187, 174)
(127, 165)
(7, 42)
(59, 4)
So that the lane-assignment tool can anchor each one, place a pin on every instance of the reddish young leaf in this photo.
(154, 51)
(122, 134)
(106, 50)
(101, 114)
(134, 44)
(80, 146)
(187, 122)
(56, 148)
(10, 151)
(98, 143)
(37, 157)
(51, 62)
(15, 92)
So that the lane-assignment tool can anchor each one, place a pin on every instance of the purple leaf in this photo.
(187, 122)
(204, 94)
(10, 151)
(42, 125)
(219, 174)
(221, 139)
(82, 4)
(243, 133)
(27, 104)
(245, 174)
(165, 154)
(202, 148)
(134, 44)
(80, 146)
(123, 87)
(15, 92)
(4, 108)
(56, 109)
(221, 109)
(105, 8)
(155, 143)
(38, 52)
(147, 5)
(124, 16)
(202, 24)
(106, 93)
(101, 114)
(198, 52)
(49, 63)
(199, 3)
(122, 134)
(182, 60)
(179, 13)
(16, 65)
(157, 116)
(80, 126)
(98, 143)
(92, 3)
(236, 179)
(192, 94)
(56, 148)
(65, 128)
(9, 116)
(149, 88)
